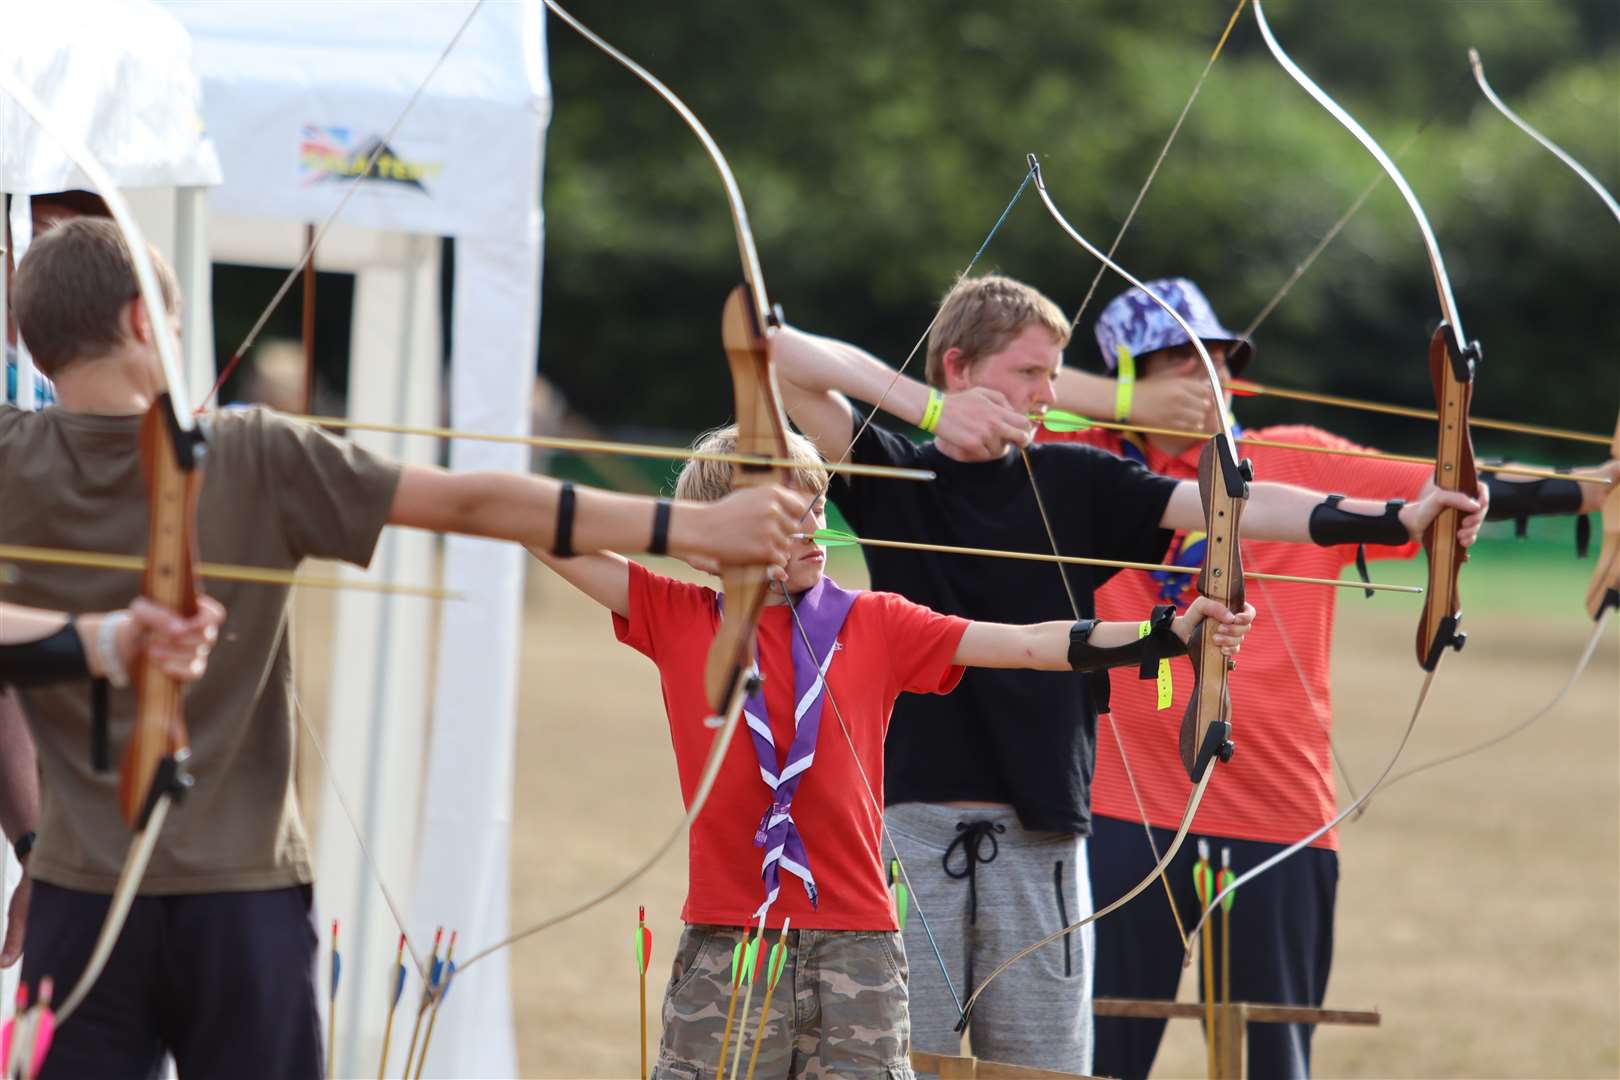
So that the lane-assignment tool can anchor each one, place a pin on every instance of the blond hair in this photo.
(982, 315)
(711, 481)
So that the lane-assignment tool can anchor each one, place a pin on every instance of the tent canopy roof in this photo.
(116, 73)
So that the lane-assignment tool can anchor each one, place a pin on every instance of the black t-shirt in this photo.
(1013, 736)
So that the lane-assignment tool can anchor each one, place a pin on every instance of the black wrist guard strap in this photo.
(1520, 500)
(51, 659)
(563, 545)
(24, 844)
(660, 533)
(1159, 643)
(1330, 525)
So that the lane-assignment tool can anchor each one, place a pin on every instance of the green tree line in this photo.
(876, 143)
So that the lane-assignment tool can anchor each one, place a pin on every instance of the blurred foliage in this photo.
(875, 144)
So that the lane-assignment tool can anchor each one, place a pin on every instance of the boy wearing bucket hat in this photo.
(990, 817)
(1279, 786)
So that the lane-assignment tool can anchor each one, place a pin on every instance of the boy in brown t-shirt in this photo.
(231, 876)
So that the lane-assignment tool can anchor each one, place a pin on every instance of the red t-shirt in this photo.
(888, 645)
(1279, 785)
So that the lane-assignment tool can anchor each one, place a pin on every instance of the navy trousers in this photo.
(225, 982)
(1282, 943)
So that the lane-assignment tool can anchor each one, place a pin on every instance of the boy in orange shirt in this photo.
(794, 789)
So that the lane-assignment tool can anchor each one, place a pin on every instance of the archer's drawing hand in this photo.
(1418, 515)
(980, 422)
(1182, 404)
(1230, 629)
(748, 527)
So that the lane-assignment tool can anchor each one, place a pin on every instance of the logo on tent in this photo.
(337, 153)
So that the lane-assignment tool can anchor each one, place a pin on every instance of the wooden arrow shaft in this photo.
(1243, 386)
(1079, 560)
(1375, 455)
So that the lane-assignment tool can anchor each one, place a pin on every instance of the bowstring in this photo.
(348, 193)
(871, 796)
(1102, 269)
(915, 348)
(1175, 130)
(359, 837)
(1379, 178)
(1501, 737)
(1113, 724)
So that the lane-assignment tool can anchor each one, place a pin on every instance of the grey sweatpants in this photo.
(987, 887)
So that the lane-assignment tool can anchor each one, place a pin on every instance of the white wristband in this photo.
(112, 664)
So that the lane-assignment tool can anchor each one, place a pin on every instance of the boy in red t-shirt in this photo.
(811, 797)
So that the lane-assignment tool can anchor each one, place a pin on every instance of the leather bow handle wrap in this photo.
(1452, 370)
(761, 430)
(1206, 727)
(1604, 592)
(171, 460)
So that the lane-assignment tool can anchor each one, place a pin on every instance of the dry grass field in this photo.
(1477, 907)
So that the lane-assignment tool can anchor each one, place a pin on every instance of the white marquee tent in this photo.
(295, 98)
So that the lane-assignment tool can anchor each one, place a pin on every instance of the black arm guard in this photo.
(1520, 500)
(51, 659)
(1159, 643)
(1330, 525)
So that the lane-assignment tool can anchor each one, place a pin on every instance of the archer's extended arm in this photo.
(747, 527)
(1093, 645)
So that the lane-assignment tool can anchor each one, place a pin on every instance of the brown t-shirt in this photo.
(274, 492)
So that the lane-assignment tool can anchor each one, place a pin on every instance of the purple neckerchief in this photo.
(818, 613)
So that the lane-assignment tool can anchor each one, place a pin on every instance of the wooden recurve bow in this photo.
(153, 773)
(762, 429)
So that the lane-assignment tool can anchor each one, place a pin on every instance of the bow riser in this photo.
(1452, 371)
(761, 429)
(1206, 726)
(172, 463)
(1604, 592)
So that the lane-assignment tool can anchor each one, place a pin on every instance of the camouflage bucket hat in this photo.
(1132, 321)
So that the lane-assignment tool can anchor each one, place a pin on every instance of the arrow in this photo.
(1245, 388)
(440, 990)
(773, 972)
(435, 967)
(839, 537)
(643, 957)
(619, 449)
(331, 1001)
(1063, 421)
(393, 1003)
(216, 571)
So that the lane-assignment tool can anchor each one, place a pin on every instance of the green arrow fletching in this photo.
(833, 538)
(1064, 421)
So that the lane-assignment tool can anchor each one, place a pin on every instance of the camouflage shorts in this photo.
(839, 1009)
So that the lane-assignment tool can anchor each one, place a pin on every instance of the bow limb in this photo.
(153, 774)
(761, 429)
(1129, 895)
(1223, 485)
(1451, 363)
(1557, 151)
(1452, 367)
(1603, 594)
(1206, 725)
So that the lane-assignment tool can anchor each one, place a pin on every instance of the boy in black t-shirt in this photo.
(965, 789)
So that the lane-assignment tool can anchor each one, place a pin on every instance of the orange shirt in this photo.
(888, 645)
(1279, 785)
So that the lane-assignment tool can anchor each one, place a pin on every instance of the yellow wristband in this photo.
(1124, 384)
(933, 410)
(1166, 693)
